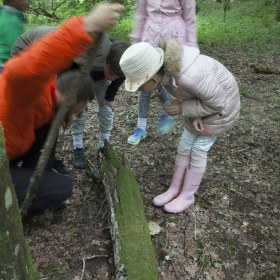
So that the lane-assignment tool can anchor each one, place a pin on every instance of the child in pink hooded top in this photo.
(157, 20)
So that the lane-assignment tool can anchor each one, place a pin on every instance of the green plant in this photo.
(243, 111)
(73, 231)
(245, 92)
(246, 24)
(204, 259)
(275, 117)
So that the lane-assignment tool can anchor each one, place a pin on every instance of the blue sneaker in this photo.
(136, 137)
(166, 124)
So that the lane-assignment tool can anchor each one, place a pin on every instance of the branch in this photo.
(59, 5)
(60, 116)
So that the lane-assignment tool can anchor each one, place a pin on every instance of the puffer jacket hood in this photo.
(206, 88)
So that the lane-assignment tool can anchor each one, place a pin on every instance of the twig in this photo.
(202, 260)
(89, 258)
(175, 270)
(60, 116)
(194, 224)
(125, 160)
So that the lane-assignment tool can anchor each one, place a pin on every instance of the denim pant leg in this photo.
(164, 95)
(79, 124)
(144, 99)
(105, 114)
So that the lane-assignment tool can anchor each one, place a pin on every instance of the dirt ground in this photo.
(233, 230)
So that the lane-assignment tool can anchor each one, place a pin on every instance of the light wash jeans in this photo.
(105, 114)
(199, 146)
(144, 99)
(196, 143)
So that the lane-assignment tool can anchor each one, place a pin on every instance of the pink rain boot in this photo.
(175, 187)
(186, 197)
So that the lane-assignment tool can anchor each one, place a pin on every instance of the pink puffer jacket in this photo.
(165, 19)
(208, 90)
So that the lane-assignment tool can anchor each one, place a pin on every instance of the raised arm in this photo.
(30, 70)
(189, 16)
(140, 20)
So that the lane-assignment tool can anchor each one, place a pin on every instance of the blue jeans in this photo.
(144, 99)
(1, 68)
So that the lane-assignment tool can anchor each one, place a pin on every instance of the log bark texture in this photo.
(133, 250)
(15, 262)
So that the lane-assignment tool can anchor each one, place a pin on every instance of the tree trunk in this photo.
(14, 255)
(133, 250)
(277, 17)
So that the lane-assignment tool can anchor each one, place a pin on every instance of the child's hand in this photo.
(68, 121)
(111, 104)
(197, 124)
(102, 18)
(175, 109)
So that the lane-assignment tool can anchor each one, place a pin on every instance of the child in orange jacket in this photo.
(30, 94)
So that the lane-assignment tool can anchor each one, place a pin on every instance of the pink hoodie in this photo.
(160, 19)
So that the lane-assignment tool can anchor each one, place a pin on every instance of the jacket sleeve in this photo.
(189, 17)
(113, 89)
(210, 96)
(140, 19)
(29, 71)
(28, 37)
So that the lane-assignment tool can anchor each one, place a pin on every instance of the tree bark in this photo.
(277, 16)
(133, 250)
(14, 255)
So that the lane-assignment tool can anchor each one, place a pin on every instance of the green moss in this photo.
(137, 254)
(137, 250)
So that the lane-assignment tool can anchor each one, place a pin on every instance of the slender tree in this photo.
(277, 16)
(14, 254)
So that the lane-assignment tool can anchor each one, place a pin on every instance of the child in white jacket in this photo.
(207, 98)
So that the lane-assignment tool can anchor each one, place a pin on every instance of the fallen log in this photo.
(260, 68)
(133, 250)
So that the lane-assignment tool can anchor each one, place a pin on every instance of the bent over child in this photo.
(207, 98)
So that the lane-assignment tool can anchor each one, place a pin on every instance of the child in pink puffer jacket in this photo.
(156, 20)
(207, 98)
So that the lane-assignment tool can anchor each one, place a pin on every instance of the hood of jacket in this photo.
(174, 54)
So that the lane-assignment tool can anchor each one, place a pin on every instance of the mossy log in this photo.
(133, 250)
(15, 262)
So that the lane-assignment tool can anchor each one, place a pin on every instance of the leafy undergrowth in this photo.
(232, 232)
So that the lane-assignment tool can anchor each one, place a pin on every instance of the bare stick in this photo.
(89, 258)
(125, 160)
(60, 116)
(175, 270)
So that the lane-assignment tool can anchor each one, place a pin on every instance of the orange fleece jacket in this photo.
(28, 80)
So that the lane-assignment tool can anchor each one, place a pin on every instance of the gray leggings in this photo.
(144, 99)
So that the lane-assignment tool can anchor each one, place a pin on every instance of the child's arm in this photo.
(29, 71)
(140, 19)
(189, 17)
(210, 96)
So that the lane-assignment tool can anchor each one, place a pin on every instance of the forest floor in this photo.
(232, 232)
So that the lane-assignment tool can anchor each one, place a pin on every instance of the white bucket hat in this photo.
(140, 63)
